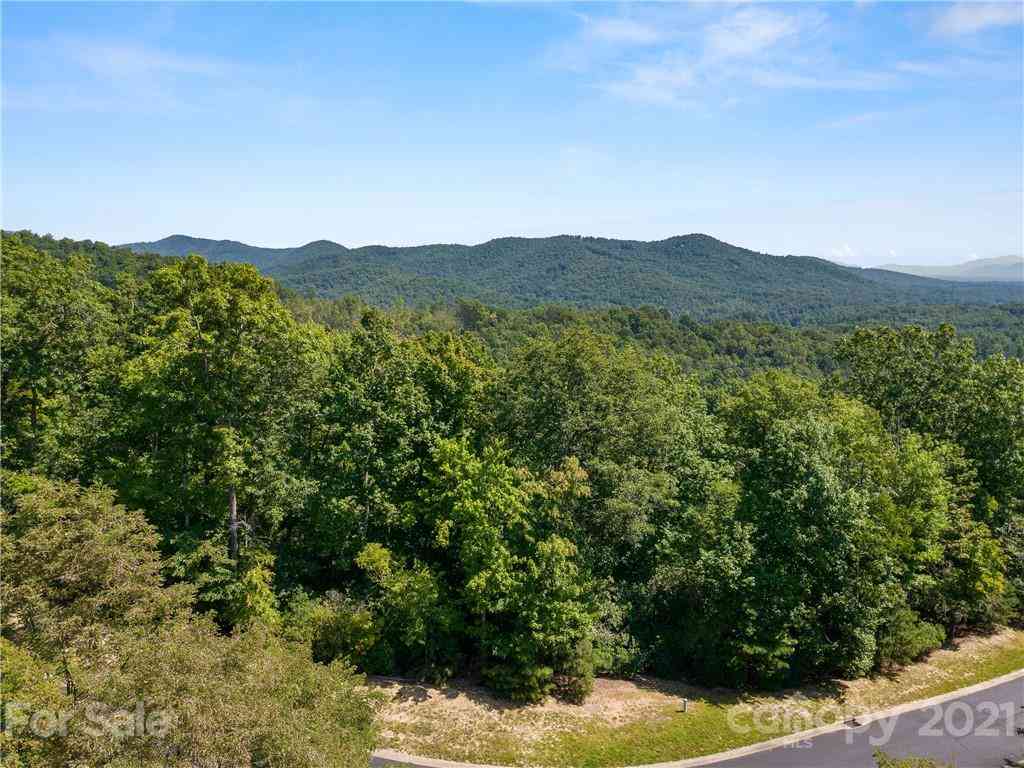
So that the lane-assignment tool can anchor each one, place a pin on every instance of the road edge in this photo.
(392, 757)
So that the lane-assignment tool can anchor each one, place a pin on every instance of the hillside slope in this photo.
(695, 274)
(1001, 269)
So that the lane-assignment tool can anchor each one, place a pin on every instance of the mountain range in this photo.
(998, 269)
(693, 274)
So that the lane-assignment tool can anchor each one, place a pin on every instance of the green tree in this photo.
(913, 377)
(212, 402)
(56, 325)
(992, 435)
(640, 432)
(928, 381)
(241, 701)
(518, 581)
(78, 567)
(849, 527)
(414, 611)
(386, 402)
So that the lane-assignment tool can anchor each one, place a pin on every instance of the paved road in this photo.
(975, 731)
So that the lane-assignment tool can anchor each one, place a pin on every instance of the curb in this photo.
(391, 757)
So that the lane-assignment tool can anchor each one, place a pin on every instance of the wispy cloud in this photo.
(672, 57)
(65, 100)
(851, 81)
(748, 32)
(844, 254)
(612, 29)
(81, 75)
(659, 83)
(924, 68)
(116, 76)
(989, 69)
(601, 38)
(128, 60)
(968, 18)
(688, 54)
(863, 118)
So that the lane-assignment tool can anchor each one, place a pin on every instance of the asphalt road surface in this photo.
(975, 731)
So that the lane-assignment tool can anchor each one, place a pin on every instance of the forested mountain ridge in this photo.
(692, 274)
(710, 346)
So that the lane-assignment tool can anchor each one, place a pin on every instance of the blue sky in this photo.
(865, 132)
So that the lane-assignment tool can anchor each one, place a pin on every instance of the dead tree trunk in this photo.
(232, 524)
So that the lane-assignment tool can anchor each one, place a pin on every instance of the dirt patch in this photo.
(467, 709)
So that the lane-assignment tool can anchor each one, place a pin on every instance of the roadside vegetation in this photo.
(883, 760)
(389, 497)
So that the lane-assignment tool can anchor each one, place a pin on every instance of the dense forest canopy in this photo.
(534, 496)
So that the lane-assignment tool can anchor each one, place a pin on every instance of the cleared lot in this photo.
(641, 721)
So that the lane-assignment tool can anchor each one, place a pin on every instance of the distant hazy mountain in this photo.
(1000, 269)
(695, 274)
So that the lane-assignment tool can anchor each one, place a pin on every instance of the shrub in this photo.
(337, 627)
(520, 682)
(575, 680)
(251, 597)
(906, 638)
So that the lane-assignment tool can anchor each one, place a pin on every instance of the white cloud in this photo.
(844, 254)
(863, 118)
(611, 29)
(121, 76)
(59, 98)
(968, 18)
(989, 69)
(112, 76)
(690, 54)
(655, 83)
(853, 81)
(129, 61)
(604, 38)
(924, 68)
(748, 32)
